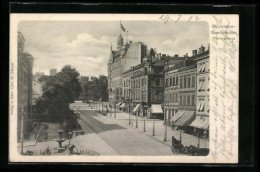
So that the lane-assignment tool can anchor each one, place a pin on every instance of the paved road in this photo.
(124, 140)
(96, 125)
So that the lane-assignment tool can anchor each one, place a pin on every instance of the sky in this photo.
(85, 45)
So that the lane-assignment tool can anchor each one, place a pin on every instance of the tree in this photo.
(58, 92)
(95, 89)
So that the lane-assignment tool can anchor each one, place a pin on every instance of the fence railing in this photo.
(60, 151)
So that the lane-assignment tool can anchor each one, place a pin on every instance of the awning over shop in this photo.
(186, 118)
(177, 115)
(118, 104)
(201, 122)
(122, 105)
(137, 107)
(156, 109)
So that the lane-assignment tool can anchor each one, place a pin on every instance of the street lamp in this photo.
(115, 109)
(70, 134)
(22, 113)
(153, 127)
(110, 110)
(198, 135)
(144, 124)
(136, 121)
(180, 136)
(129, 112)
(205, 135)
(143, 114)
(165, 133)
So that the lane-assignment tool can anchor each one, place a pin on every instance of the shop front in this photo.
(157, 112)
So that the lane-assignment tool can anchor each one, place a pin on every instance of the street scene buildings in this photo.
(166, 87)
(144, 101)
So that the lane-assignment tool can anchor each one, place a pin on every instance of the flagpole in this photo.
(120, 27)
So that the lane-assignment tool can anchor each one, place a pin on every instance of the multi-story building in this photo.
(203, 88)
(171, 91)
(122, 59)
(187, 94)
(25, 93)
(143, 85)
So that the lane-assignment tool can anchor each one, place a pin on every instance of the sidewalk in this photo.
(122, 118)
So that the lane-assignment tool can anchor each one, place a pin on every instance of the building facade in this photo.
(176, 87)
(186, 100)
(25, 93)
(122, 59)
(171, 98)
(143, 85)
(203, 88)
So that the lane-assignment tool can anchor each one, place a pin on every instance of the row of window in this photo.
(137, 83)
(187, 81)
(187, 100)
(158, 95)
(126, 82)
(202, 84)
(203, 67)
(172, 97)
(173, 81)
(137, 95)
(127, 93)
(202, 105)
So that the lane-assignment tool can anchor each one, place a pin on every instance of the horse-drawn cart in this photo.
(176, 145)
(178, 148)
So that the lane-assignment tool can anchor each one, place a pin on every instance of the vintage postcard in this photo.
(160, 88)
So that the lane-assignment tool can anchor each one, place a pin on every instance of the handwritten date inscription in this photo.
(167, 18)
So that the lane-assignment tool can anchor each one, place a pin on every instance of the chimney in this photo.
(163, 56)
(201, 49)
(176, 55)
(194, 52)
(184, 63)
(159, 56)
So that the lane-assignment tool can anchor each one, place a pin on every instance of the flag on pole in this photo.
(122, 27)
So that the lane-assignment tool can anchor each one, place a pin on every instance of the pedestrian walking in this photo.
(48, 151)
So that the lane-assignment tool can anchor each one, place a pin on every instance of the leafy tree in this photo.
(95, 89)
(58, 92)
